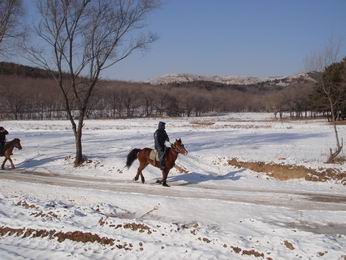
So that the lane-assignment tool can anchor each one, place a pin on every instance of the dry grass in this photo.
(209, 124)
(181, 169)
(340, 160)
(286, 172)
(202, 123)
(26, 205)
(247, 126)
(343, 122)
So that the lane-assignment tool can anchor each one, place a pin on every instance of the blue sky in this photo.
(235, 37)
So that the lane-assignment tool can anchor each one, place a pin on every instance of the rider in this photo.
(3, 133)
(160, 137)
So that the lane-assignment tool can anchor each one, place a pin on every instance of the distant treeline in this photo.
(29, 93)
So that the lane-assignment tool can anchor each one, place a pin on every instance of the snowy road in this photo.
(283, 198)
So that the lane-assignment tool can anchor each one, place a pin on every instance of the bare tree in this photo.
(81, 39)
(322, 63)
(334, 89)
(10, 11)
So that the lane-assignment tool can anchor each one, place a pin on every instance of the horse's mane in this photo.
(8, 144)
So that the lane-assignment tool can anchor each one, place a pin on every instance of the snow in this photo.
(205, 214)
(230, 80)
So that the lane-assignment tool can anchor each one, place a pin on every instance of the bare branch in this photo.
(10, 13)
(81, 39)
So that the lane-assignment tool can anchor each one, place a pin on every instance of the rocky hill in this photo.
(235, 80)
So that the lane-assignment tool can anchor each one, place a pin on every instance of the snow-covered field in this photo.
(214, 211)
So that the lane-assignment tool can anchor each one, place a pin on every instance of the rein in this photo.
(176, 149)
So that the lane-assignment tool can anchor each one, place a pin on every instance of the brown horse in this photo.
(8, 151)
(143, 155)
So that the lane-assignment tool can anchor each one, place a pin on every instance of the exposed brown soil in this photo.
(236, 249)
(288, 245)
(77, 236)
(141, 228)
(287, 172)
(250, 252)
(342, 122)
(322, 253)
(204, 239)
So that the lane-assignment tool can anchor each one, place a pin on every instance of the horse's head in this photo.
(179, 147)
(17, 144)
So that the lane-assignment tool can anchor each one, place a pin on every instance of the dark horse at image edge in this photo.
(143, 156)
(8, 151)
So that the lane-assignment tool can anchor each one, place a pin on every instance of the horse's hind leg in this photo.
(139, 172)
(3, 164)
(137, 175)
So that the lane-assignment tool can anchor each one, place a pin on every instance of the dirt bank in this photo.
(286, 172)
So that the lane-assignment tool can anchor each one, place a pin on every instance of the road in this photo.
(283, 198)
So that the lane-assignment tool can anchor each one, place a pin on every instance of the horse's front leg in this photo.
(164, 177)
(3, 164)
(12, 165)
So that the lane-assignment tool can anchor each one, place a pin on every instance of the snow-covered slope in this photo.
(232, 80)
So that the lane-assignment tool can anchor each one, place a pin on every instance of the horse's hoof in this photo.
(165, 184)
(134, 179)
(159, 181)
(143, 181)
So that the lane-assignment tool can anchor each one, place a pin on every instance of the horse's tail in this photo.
(131, 157)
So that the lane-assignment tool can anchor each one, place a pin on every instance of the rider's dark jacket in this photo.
(160, 137)
(3, 133)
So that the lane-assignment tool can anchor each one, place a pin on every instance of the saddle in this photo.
(154, 155)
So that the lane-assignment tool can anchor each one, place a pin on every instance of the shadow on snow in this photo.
(196, 178)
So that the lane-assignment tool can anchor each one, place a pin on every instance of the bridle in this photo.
(17, 144)
(177, 149)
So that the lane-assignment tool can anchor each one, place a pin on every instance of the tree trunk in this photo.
(78, 141)
(338, 149)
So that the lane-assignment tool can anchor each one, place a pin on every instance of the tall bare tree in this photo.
(324, 62)
(81, 39)
(10, 11)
